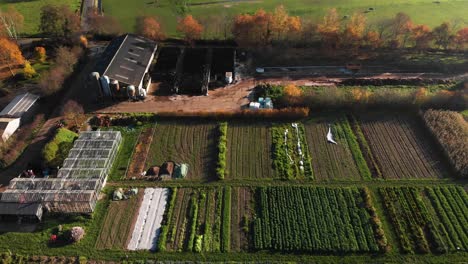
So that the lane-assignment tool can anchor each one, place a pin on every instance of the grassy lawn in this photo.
(130, 137)
(421, 11)
(31, 11)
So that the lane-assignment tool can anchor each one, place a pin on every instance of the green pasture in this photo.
(421, 11)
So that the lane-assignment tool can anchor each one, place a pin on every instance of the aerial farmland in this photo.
(189, 131)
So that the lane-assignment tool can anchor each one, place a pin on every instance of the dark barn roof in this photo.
(126, 59)
(21, 209)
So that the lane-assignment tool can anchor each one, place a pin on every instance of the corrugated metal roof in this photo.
(20, 208)
(126, 59)
(19, 105)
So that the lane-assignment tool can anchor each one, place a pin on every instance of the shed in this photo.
(28, 210)
(19, 105)
(8, 126)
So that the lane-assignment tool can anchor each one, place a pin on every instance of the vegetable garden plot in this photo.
(329, 161)
(291, 157)
(147, 227)
(306, 219)
(193, 143)
(118, 224)
(249, 151)
(197, 220)
(241, 217)
(433, 219)
(402, 150)
(137, 164)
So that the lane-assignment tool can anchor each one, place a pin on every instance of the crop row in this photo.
(291, 158)
(198, 220)
(305, 219)
(421, 227)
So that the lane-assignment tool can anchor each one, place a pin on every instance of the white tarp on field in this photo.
(148, 224)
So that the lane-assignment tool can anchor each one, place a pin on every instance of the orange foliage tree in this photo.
(354, 30)
(40, 54)
(329, 29)
(373, 39)
(461, 38)
(422, 36)
(10, 54)
(190, 28)
(149, 27)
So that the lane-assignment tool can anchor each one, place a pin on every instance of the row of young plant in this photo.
(291, 158)
(222, 150)
(451, 207)
(205, 225)
(365, 148)
(306, 219)
(345, 129)
(417, 229)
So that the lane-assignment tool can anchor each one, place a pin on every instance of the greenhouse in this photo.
(78, 183)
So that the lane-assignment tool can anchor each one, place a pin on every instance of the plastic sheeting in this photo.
(148, 224)
(330, 136)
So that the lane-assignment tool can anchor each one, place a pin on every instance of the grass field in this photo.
(118, 223)
(31, 11)
(342, 161)
(190, 142)
(421, 11)
(401, 148)
(121, 163)
(249, 151)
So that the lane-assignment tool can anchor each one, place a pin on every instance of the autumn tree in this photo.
(149, 27)
(59, 21)
(461, 39)
(372, 38)
(104, 25)
(40, 54)
(422, 36)
(442, 35)
(354, 29)
(190, 28)
(28, 70)
(400, 30)
(329, 29)
(51, 81)
(250, 30)
(292, 94)
(10, 54)
(11, 22)
(73, 111)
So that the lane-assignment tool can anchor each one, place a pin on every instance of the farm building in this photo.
(14, 112)
(124, 67)
(78, 183)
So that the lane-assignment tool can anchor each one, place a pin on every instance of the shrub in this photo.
(55, 152)
(222, 150)
(28, 70)
(40, 54)
(76, 234)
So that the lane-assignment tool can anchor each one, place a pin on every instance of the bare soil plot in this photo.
(241, 215)
(193, 143)
(342, 161)
(137, 165)
(401, 147)
(119, 223)
(249, 151)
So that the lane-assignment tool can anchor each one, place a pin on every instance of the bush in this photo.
(55, 152)
(222, 150)
(76, 234)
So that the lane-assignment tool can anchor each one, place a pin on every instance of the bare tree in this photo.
(11, 22)
(73, 111)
